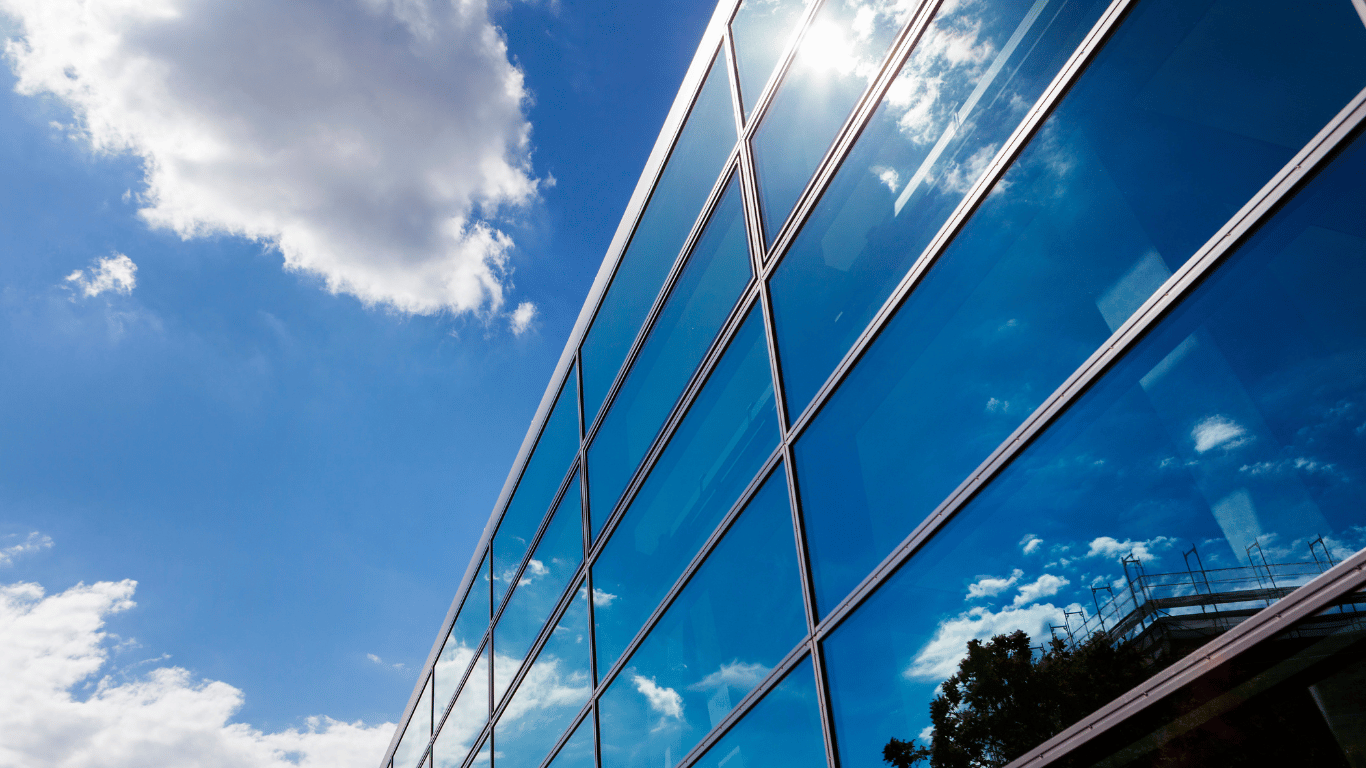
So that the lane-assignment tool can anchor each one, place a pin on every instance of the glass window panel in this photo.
(740, 614)
(545, 470)
(703, 146)
(964, 90)
(578, 751)
(467, 718)
(761, 30)
(466, 634)
(838, 58)
(1217, 466)
(419, 731)
(1145, 159)
(485, 756)
(782, 731)
(552, 693)
(730, 430)
(552, 565)
(717, 271)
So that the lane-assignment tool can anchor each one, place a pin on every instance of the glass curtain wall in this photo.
(884, 243)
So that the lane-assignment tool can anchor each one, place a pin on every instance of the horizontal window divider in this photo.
(1360, 5)
(863, 111)
(464, 678)
(585, 712)
(479, 741)
(1039, 112)
(779, 72)
(547, 629)
(680, 409)
(679, 584)
(1182, 281)
(680, 261)
(1343, 579)
(532, 544)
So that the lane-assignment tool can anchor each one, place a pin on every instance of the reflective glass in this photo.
(463, 640)
(414, 742)
(1145, 159)
(782, 731)
(703, 146)
(966, 87)
(552, 565)
(728, 433)
(485, 756)
(552, 693)
(1217, 466)
(761, 30)
(578, 751)
(717, 271)
(740, 614)
(838, 58)
(545, 470)
(467, 718)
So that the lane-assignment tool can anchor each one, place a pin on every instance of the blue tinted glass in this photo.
(838, 58)
(463, 640)
(703, 146)
(578, 751)
(552, 693)
(552, 565)
(1233, 436)
(740, 614)
(717, 271)
(730, 430)
(964, 90)
(467, 718)
(545, 470)
(414, 742)
(1144, 160)
(782, 731)
(761, 30)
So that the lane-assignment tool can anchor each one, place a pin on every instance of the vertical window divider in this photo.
(1360, 5)
(733, 72)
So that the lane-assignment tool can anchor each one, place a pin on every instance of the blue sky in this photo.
(294, 476)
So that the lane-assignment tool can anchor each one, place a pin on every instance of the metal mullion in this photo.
(597, 732)
(542, 635)
(771, 342)
(680, 409)
(1182, 282)
(823, 699)
(1343, 579)
(749, 195)
(733, 73)
(535, 540)
(484, 737)
(464, 678)
(1360, 6)
(858, 118)
(693, 565)
(585, 712)
(779, 73)
(1042, 108)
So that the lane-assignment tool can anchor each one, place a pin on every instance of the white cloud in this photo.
(665, 701)
(602, 599)
(522, 316)
(1218, 431)
(377, 144)
(1111, 548)
(737, 674)
(51, 644)
(990, 586)
(1030, 544)
(34, 542)
(383, 663)
(1046, 585)
(940, 656)
(116, 273)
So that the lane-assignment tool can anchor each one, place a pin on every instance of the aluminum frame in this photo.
(1343, 578)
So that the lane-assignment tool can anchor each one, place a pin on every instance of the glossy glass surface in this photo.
(467, 718)
(761, 30)
(578, 751)
(552, 693)
(545, 470)
(728, 433)
(1217, 466)
(552, 565)
(688, 177)
(782, 731)
(966, 87)
(466, 633)
(414, 742)
(699, 303)
(836, 61)
(1146, 158)
(739, 615)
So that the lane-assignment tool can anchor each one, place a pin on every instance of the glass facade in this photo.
(977, 383)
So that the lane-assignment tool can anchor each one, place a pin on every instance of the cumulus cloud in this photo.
(383, 663)
(116, 273)
(1218, 431)
(940, 656)
(736, 674)
(51, 644)
(1046, 585)
(666, 701)
(522, 316)
(379, 145)
(990, 586)
(1030, 544)
(603, 598)
(1111, 548)
(34, 542)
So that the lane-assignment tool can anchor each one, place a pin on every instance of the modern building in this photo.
(931, 323)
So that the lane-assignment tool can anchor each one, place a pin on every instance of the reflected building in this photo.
(931, 322)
